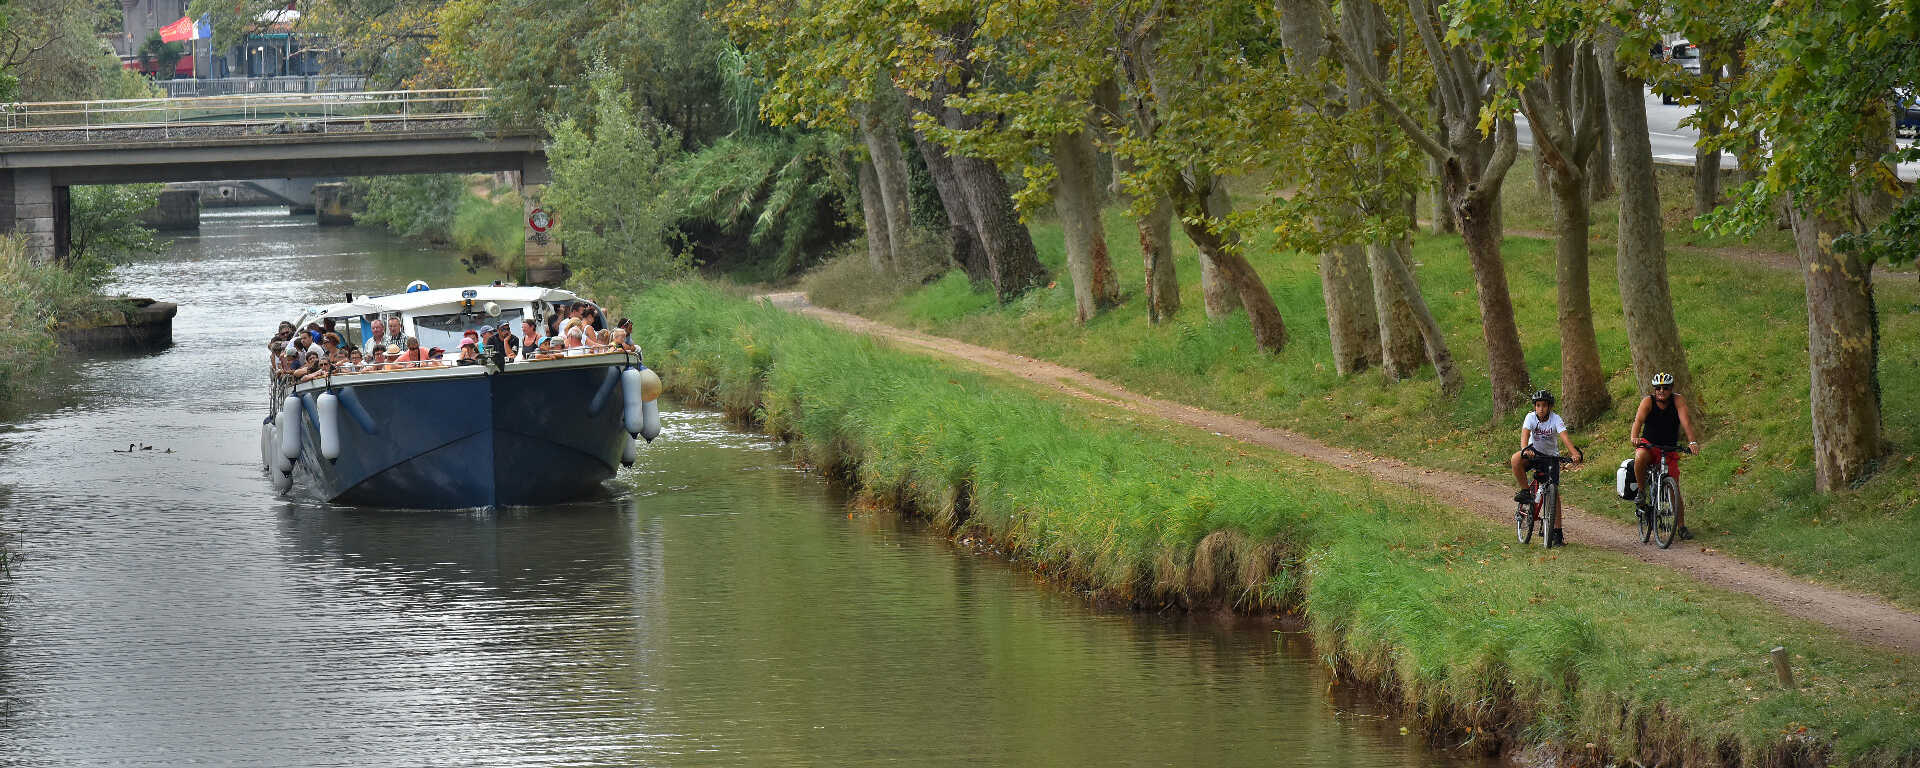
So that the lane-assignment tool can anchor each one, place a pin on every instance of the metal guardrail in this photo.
(287, 113)
(228, 86)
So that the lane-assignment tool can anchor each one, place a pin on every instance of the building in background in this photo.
(272, 49)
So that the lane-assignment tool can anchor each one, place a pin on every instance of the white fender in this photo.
(327, 412)
(650, 425)
(629, 452)
(268, 456)
(649, 385)
(631, 416)
(282, 481)
(290, 427)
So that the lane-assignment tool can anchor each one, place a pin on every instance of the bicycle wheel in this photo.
(1549, 514)
(1663, 513)
(1523, 521)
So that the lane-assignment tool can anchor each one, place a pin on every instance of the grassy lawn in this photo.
(1484, 640)
(1744, 326)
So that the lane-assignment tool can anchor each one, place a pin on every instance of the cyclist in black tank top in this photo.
(1662, 416)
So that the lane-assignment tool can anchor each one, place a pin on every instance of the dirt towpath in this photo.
(1863, 617)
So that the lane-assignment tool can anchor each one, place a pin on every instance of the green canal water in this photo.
(717, 607)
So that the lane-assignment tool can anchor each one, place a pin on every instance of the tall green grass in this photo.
(490, 227)
(1744, 327)
(1485, 643)
(33, 299)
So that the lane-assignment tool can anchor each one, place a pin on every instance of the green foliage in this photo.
(490, 227)
(774, 199)
(605, 192)
(33, 298)
(106, 228)
(49, 51)
(162, 56)
(415, 205)
(1589, 647)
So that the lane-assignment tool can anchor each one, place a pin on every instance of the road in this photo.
(1673, 142)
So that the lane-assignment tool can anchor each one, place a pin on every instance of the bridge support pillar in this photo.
(330, 204)
(32, 206)
(544, 256)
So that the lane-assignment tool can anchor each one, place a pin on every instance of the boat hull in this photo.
(466, 437)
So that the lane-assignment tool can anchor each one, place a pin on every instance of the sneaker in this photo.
(1683, 534)
(1522, 495)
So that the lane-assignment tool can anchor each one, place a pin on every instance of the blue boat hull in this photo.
(458, 438)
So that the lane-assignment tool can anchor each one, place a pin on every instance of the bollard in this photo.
(1781, 669)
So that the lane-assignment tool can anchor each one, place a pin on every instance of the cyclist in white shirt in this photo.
(1538, 432)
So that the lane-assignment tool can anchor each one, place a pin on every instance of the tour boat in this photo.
(535, 431)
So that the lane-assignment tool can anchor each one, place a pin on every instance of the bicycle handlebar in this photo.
(1667, 448)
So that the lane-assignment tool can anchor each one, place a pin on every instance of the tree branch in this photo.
(1412, 127)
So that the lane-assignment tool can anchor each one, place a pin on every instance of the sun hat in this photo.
(393, 349)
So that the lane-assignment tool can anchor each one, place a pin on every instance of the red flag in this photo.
(177, 31)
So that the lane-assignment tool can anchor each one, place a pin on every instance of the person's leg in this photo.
(1679, 502)
(1642, 461)
(1519, 466)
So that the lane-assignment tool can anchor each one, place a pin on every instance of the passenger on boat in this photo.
(355, 361)
(413, 356)
(436, 357)
(394, 329)
(469, 354)
(529, 337)
(377, 333)
(620, 342)
(393, 357)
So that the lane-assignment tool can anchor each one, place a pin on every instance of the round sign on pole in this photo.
(540, 220)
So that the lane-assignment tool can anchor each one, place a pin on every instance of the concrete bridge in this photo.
(47, 148)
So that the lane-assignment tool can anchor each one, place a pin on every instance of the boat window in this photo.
(445, 331)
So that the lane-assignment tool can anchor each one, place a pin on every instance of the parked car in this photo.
(1906, 112)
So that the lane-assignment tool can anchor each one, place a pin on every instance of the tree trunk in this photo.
(1156, 251)
(1353, 327)
(873, 218)
(1203, 209)
(1600, 172)
(1441, 213)
(1012, 266)
(1652, 333)
(963, 239)
(1076, 196)
(1218, 294)
(1402, 350)
(1842, 349)
(1480, 230)
(1583, 387)
(1397, 263)
(877, 129)
(1706, 162)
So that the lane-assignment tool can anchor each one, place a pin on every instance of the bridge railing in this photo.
(360, 111)
(225, 86)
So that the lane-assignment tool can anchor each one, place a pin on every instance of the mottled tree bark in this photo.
(1842, 353)
(879, 131)
(1652, 333)
(1353, 327)
(1218, 294)
(1203, 207)
(1156, 251)
(1402, 349)
(1156, 228)
(874, 218)
(1077, 199)
(963, 242)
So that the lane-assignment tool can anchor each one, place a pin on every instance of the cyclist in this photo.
(1537, 432)
(1662, 415)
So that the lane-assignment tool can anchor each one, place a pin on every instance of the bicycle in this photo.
(1543, 493)
(1657, 519)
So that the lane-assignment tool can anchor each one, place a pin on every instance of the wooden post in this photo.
(1781, 669)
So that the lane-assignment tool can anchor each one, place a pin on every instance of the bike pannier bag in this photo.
(1624, 483)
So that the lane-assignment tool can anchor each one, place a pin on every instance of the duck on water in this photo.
(509, 421)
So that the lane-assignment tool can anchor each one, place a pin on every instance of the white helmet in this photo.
(417, 286)
(1662, 379)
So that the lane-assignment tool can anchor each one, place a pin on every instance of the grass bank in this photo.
(1743, 324)
(33, 299)
(1485, 644)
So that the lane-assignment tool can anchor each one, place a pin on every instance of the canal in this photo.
(719, 607)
